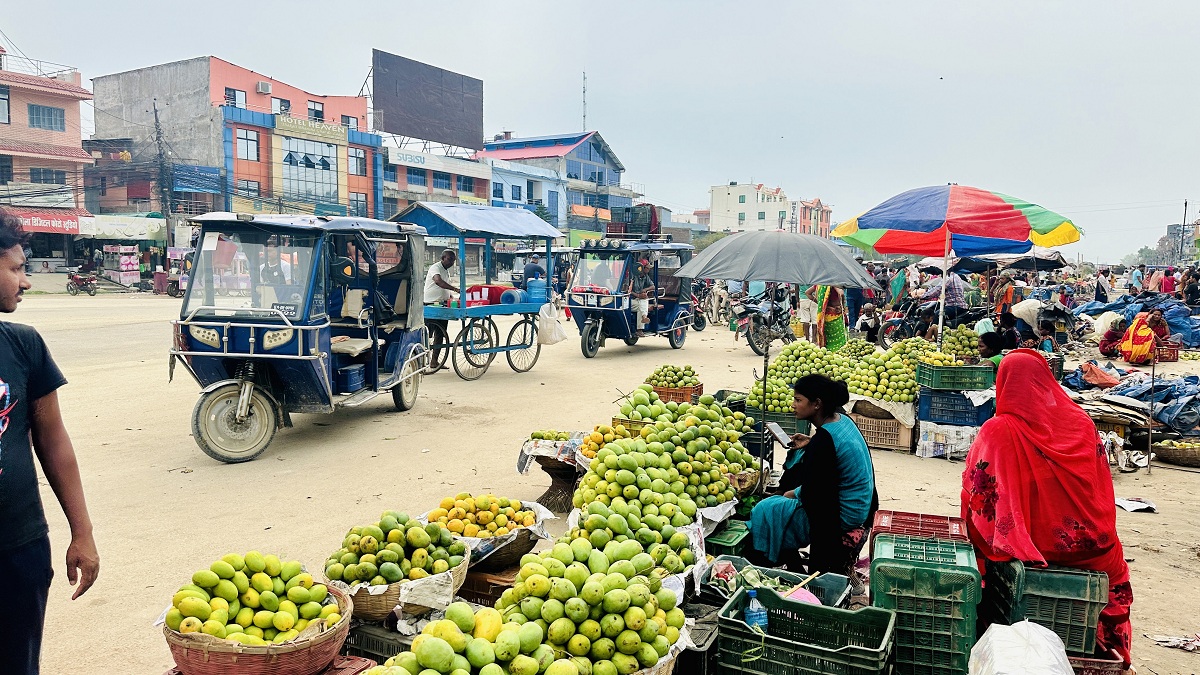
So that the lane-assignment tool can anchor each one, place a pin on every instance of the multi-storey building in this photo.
(590, 167)
(524, 186)
(739, 207)
(410, 176)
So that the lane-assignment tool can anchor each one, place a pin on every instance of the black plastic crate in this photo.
(376, 642)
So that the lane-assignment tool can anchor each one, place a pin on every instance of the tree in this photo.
(705, 240)
(544, 213)
(1143, 256)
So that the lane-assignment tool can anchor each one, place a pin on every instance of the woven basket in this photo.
(369, 607)
(202, 654)
(1179, 456)
(509, 554)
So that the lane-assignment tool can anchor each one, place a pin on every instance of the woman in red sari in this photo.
(1037, 488)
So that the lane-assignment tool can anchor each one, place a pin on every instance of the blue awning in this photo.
(471, 220)
(193, 178)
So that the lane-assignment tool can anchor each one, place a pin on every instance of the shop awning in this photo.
(50, 221)
(124, 228)
(454, 220)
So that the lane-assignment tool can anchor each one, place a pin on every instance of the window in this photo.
(358, 161)
(497, 190)
(741, 217)
(310, 171)
(6, 169)
(4, 103)
(391, 206)
(316, 111)
(103, 185)
(441, 181)
(48, 176)
(762, 215)
(574, 169)
(741, 199)
(248, 188)
(349, 122)
(247, 145)
(235, 97)
(389, 173)
(597, 175)
(782, 215)
(280, 106)
(358, 204)
(46, 117)
(466, 184)
(516, 193)
(417, 177)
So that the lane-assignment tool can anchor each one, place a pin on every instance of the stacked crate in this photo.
(948, 419)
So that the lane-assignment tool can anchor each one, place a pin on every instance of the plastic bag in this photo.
(550, 331)
(1024, 648)
(1095, 375)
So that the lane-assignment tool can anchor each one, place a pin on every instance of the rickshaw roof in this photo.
(456, 220)
(635, 246)
(305, 222)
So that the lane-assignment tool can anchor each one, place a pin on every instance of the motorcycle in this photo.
(78, 282)
(902, 323)
(764, 318)
(701, 292)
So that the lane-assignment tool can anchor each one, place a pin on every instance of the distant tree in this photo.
(544, 213)
(705, 240)
(1143, 256)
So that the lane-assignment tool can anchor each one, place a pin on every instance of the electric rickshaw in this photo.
(332, 317)
(601, 300)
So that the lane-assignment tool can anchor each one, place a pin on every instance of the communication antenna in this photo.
(585, 100)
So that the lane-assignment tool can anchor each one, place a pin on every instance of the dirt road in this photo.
(163, 509)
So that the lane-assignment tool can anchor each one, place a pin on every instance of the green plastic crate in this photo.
(923, 549)
(957, 378)
(936, 610)
(1068, 601)
(804, 639)
(731, 539)
(833, 590)
(702, 658)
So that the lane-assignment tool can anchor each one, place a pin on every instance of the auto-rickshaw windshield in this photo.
(251, 273)
(597, 272)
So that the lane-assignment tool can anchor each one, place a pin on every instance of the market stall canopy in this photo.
(970, 220)
(471, 220)
(935, 264)
(1036, 258)
(785, 257)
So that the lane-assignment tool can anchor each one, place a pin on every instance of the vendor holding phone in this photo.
(829, 498)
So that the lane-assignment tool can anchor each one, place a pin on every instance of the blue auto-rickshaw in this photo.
(333, 317)
(599, 296)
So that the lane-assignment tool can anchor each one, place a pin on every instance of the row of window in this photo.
(760, 197)
(601, 175)
(498, 192)
(282, 106)
(40, 116)
(358, 200)
(36, 175)
(762, 215)
(248, 143)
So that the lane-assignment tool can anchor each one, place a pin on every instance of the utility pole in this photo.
(164, 174)
(1182, 230)
(585, 100)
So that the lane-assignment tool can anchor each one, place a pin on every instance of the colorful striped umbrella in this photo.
(957, 219)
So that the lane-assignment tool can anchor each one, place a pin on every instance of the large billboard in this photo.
(418, 100)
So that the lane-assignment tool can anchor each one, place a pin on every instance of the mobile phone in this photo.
(778, 433)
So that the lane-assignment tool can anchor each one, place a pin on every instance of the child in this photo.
(1046, 337)
(869, 322)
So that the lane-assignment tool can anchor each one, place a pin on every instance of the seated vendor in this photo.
(829, 498)
(1036, 489)
(990, 347)
(1148, 331)
(1110, 342)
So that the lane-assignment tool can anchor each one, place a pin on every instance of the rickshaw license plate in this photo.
(286, 309)
(743, 321)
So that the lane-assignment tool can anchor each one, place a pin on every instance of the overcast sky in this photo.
(1087, 108)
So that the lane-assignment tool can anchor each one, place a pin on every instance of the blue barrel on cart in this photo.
(514, 296)
(537, 290)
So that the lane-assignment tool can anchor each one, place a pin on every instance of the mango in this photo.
(206, 578)
(195, 607)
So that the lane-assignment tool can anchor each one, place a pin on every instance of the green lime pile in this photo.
(857, 348)
(778, 398)
(673, 377)
(550, 435)
(962, 342)
(397, 549)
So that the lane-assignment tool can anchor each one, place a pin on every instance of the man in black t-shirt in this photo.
(30, 422)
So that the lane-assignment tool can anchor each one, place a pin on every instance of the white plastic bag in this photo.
(1024, 648)
(550, 331)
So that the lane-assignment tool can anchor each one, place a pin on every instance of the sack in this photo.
(550, 331)
(1019, 649)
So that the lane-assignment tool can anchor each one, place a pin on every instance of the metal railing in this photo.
(28, 66)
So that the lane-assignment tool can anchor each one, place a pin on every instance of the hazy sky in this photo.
(1087, 108)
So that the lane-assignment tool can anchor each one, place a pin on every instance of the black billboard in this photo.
(418, 100)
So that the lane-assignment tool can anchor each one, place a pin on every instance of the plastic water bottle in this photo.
(755, 615)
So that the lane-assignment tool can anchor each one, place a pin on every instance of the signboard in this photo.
(418, 100)
(451, 165)
(129, 228)
(47, 221)
(306, 128)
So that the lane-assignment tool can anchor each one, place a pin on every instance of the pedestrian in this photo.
(1137, 280)
(1167, 285)
(533, 270)
(28, 253)
(31, 422)
(438, 292)
(1103, 287)
(854, 302)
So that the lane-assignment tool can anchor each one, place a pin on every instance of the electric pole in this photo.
(585, 100)
(164, 176)
(1182, 230)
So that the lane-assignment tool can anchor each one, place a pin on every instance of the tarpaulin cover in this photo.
(1178, 315)
(979, 222)
(194, 178)
(1175, 400)
(455, 220)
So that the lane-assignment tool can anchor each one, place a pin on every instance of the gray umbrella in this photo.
(784, 257)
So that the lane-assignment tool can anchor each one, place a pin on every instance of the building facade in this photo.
(591, 168)
(524, 186)
(42, 156)
(410, 176)
(742, 207)
(238, 140)
(812, 217)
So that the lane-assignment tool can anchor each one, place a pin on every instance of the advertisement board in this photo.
(418, 100)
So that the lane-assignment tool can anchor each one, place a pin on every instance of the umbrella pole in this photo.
(766, 364)
(945, 282)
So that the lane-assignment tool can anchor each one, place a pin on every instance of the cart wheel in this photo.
(91, 289)
(677, 337)
(758, 335)
(631, 340)
(589, 340)
(475, 335)
(521, 358)
(437, 355)
(699, 321)
(72, 288)
(173, 289)
(490, 341)
(404, 395)
(221, 436)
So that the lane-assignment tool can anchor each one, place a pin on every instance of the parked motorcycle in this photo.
(77, 282)
(701, 290)
(902, 323)
(764, 318)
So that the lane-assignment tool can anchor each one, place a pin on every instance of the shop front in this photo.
(123, 248)
(52, 231)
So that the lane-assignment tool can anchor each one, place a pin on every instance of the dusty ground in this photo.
(163, 509)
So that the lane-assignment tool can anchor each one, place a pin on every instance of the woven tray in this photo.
(203, 654)
(368, 607)
(1179, 456)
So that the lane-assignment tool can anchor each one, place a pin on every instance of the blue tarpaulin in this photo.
(470, 220)
(1178, 315)
(1174, 400)
(194, 178)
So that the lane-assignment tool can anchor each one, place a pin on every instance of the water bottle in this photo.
(755, 615)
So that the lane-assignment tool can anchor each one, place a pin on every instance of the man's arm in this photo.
(53, 447)
(437, 279)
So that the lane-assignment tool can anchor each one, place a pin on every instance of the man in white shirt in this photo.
(438, 290)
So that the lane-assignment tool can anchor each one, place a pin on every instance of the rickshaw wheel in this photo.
(631, 340)
(72, 288)
(677, 337)
(589, 340)
(404, 395)
(524, 332)
(475, 335)
(438, 356)
(699, 321)
(219, 434)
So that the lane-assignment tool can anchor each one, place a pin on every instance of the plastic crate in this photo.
(956, 378)
(917, 525)
(702, 658)
(907, 548)
(950, 407)
(833, 590)
(804, 639)
(679, 394)
(373, 641)
(1163, 354)
(1105, 427)
(886, 434)
(630, 425)
(1066, 600)
(485, 588)
(737, 405)
(1105, 664)
(731, 539)
(936, 607)
(787, 421)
